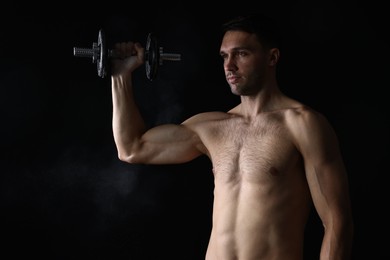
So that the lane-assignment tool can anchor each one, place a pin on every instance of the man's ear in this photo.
(274, 55)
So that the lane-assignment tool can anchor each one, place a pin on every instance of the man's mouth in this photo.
(233, 79)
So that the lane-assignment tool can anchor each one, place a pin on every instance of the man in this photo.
(272, 156)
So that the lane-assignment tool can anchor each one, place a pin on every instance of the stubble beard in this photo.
(241, 89)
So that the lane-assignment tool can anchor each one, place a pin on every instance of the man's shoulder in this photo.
(303, 112)
(207, 117)
(304, 119)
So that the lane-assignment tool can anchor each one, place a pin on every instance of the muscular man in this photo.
(272, 156)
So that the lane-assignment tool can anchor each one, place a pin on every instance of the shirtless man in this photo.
(272, 156)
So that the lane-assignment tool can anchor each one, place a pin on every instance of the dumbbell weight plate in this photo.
(101, 63)
(152, 56)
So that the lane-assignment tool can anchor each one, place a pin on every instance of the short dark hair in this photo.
(264, 27)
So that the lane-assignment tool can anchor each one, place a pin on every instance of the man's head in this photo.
(250, 52)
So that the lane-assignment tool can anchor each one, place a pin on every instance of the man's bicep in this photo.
(325, 170)
(328, 186)
(326, 173)
(169, 144)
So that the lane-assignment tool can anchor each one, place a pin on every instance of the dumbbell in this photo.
(154, 55)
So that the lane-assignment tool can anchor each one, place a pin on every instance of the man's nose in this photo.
(230, 64)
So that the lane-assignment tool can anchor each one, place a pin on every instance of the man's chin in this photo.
(234, 90)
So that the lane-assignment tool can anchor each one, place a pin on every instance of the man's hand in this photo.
(128, 57)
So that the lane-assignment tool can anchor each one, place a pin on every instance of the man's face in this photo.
(245, 62)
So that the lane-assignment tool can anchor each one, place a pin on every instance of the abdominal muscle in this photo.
(258, 219)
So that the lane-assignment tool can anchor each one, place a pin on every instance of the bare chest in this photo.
(255, 152)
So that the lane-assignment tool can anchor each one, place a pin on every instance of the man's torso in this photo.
(261, 198)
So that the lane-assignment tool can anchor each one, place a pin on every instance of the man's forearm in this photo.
(127, 123)
(337, 245)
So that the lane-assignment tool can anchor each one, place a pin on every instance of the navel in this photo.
(274, 172)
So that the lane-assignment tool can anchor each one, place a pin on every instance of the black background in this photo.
(65, 194)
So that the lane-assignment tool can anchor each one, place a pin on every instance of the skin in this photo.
(273, 157)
